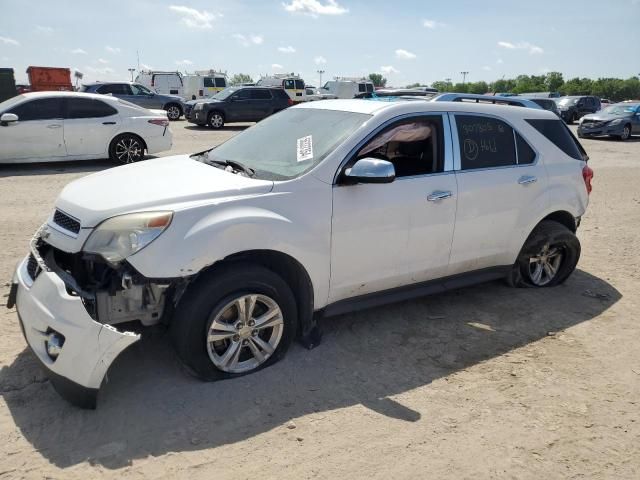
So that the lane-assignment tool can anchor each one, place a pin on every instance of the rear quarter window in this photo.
(557, 133)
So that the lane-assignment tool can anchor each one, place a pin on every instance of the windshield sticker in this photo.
(304, 148)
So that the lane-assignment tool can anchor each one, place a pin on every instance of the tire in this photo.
(214, 299)
(127, 148)
(174, 112)
(550, 248)
(626, 133)
(215, 120)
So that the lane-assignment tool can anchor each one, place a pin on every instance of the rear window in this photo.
(220, 82)
(209, 82)
(299, 85)
(558, 134)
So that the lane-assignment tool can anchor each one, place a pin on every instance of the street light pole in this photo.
(131, 70)
(448, 80)
(464, 76)
(320, 72)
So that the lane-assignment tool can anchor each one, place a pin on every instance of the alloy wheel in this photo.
(129, 150)
(544, 266)
(173, 113)
(244, 333)
(216, 120)
(626, 133)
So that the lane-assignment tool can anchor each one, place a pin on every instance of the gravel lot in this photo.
(484, 382)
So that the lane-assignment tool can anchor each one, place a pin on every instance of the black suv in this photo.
(237, 104)
(572, 108)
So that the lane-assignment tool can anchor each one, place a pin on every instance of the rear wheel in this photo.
(173, 111)
(215, 120)
(234, 321)
(547, 258)
(126, 148)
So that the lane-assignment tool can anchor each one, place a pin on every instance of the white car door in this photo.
(394, 234)
(89, 126)
(499, 182)
(38, 133)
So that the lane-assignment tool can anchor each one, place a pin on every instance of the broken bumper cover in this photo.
(44, 306)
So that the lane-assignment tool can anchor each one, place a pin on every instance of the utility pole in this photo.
(320, 72)
(464, 76)
(131, 70)
(448, 80)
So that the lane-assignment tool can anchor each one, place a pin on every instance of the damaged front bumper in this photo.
(84, 348)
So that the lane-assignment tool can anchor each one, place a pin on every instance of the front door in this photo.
(499, 180)
(241, 107)
(38, 133)
(390, 235)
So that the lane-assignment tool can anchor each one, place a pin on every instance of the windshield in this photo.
(286, 145)
(224, 94)
(7, 104)
(567, 101)
(622, 109)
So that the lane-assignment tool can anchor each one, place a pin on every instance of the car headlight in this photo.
(198, 106)
(617, 121)
(120, 237)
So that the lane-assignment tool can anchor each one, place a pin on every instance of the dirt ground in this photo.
(484, 382)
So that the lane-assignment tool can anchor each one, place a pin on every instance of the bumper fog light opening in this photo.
(54, 344)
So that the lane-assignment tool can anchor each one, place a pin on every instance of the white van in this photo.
(292, 84)
(203, 84)
(347, 87)
(167, 83)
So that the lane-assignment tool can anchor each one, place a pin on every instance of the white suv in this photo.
(321, 209)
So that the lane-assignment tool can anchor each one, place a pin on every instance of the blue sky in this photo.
(406, 40)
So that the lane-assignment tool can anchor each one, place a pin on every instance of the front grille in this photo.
(33, 269)
(592, 123)
(66, 222)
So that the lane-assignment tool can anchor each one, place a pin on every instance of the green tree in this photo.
(478, 87)
(441, 86)
(553, 81)
(413, 85)
(240, 78)
(577, 86)
(378, 80)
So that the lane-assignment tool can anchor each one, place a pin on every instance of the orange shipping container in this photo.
(49, 78)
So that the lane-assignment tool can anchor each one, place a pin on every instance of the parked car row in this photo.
(620, 120)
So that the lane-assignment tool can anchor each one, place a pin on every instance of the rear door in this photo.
(262, 103)
(37, 134)
(89, 126)
(499, 180)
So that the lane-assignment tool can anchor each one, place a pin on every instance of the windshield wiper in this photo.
(235, 165)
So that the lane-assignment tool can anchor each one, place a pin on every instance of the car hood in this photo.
(203, 100)
(166, 183)
(603, 117)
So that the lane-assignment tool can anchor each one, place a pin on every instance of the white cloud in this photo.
(144, 66)
(315, 7)
(388, 69)
(193, 18)
(426, 23)
(320, 60)
(288, 49)
(184, 62)
(499, 61)
(112, 49)
(276, 66)
(248, 40)
(405, 54)
(102, 61)
(533, 49)
(9, 41)
(78, 51)
(43, 29)
(100, 71)
(486, 68)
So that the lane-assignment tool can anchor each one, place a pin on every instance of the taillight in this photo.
(290, 102)
(162, 122)
(587, 175)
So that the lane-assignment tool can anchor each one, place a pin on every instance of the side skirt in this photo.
(408, 292)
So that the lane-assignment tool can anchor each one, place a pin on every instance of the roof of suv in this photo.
(374, 108)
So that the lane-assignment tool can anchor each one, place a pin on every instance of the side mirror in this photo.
(8, 118)
(371, 170)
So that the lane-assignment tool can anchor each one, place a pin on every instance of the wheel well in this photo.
(292, 272)
(563, 217)
(144, 144)
(211, 112)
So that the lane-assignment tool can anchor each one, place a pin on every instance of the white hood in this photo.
(152, 185)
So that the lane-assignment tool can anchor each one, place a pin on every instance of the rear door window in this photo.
(115, 89)
(41, 109)
(220, 82)
(299, 85)
(261, 95)
(485, 142)
(88, 108)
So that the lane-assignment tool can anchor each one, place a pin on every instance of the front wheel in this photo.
(126, 148)
(173, 112)
(216, 120)
(234, 321)
(626, 133)
(548, 257)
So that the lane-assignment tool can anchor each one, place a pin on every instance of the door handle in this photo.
(439, 195)
(54, 125)
(108, 123)
(527, 179)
